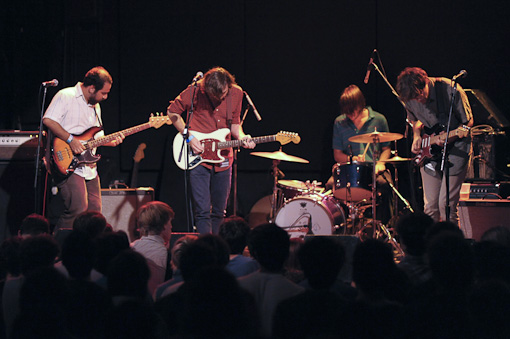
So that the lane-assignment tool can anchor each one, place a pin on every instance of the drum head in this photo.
(312, 214)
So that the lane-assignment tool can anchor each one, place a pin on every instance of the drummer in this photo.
(356, 118)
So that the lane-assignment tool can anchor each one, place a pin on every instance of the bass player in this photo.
(428, 101)
(72, 111)
(217, 102)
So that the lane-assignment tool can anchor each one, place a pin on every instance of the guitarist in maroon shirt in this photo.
(428, 101)
(217, 101)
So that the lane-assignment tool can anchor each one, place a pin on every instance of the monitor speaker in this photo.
(120, 206)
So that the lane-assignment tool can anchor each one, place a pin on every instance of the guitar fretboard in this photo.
(106, 139)
(237, 143)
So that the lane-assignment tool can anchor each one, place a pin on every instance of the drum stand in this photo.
(378, 228)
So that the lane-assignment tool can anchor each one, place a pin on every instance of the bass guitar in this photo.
(215, 142)
(64, 162)
(429, 142)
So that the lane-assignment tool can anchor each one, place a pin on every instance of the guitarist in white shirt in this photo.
(217, 104)
(428, 100)
(72, 111)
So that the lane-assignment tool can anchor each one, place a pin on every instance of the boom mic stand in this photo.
(406, 133)
(185, 150)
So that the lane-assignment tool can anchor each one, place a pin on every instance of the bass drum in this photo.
(311, 214)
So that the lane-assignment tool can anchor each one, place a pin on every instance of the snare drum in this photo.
(352, 181)
(312, 213)
(292, 188)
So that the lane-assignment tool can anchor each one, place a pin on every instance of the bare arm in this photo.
(61, 133)
(417, 127)
(237, 132)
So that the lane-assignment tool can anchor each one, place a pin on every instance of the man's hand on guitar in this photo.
(76, 146)
(196, 145)
(247, 142)
(416, 147)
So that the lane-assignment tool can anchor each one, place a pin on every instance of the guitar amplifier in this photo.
(120, 206)
(18, 145)
(474, 190)
(476, 216)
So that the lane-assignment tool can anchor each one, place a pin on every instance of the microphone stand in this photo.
(445, 166)
(185, 150)
(38, 158)
(234, 170)
(408, 123)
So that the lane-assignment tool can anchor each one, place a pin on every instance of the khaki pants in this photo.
(434, 195)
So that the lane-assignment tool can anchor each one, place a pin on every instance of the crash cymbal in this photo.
(376, 137)
(279, 155)
(395, 160)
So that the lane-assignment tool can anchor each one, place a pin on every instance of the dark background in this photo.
(292, 57)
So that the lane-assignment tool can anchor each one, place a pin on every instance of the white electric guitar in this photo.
(215, 142)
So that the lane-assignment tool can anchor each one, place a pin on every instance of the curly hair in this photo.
(410, 82)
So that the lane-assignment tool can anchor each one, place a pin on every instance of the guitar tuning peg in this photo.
(152, 115)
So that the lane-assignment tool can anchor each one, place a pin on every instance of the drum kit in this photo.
(303, 208)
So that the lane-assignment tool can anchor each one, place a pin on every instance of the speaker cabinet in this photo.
(349, 243)
(17, 197)
(120, 206)
(478, 215)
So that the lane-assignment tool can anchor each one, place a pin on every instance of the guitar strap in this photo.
(443, 105)
(229, 112)
(98, 118)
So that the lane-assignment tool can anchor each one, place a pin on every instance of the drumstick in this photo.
(364, 153)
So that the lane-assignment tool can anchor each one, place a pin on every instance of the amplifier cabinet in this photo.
(19, 145)
(120, 206)
(478, 215)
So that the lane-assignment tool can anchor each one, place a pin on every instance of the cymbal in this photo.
(377, 136)
(395, 160)
(279, 155)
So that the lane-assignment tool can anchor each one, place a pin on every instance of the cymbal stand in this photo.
(275, 199)
(377, 226)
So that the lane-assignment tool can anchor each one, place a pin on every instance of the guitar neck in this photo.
(442, 137)
(106, 139)
(237, 143)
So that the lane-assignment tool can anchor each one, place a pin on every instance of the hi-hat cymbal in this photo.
(376, 137)
(279, 155)
(395, 160)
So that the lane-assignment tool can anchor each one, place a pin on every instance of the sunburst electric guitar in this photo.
(215, 142)
(64, 162)
(429, 143)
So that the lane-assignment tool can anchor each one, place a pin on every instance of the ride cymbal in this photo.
(375, 137)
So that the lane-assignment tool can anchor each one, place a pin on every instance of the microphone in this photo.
(198, 76)
(461, 74)
(350, 153)
(257, 115)
(369, 67)
(51, 83)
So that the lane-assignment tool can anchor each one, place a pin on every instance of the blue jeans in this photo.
(210, 190)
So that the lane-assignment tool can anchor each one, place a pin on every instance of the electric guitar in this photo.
(430, 142)
(139, 155)
(64, 162)
(215, 142)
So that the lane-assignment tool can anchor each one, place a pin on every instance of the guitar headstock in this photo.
(159, 120)
(139, 155)
(286, 137)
